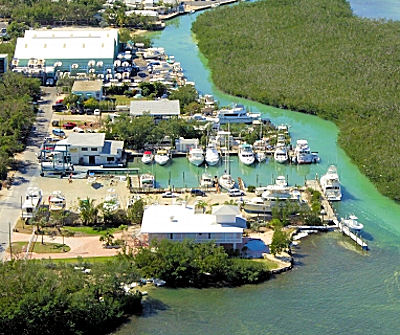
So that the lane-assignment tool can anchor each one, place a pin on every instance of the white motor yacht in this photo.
(304, 154)
(57, 201)
(226, 181)
(33, 198)
(147, 180)
(236, 114)
(206, 180)
(331, 185)
(162, 157)
(246, 154)
(147, 157)
(352, 223)
(212, 155)
(281, 154)
(196, 156)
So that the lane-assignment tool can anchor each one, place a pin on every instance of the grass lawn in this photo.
(100, 259)
(40, 248)
(270, 264)
(84, 230)
(122, 99)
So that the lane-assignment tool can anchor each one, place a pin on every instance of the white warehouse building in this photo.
(92, 149)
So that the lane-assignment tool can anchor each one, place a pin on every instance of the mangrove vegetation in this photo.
(317, 57)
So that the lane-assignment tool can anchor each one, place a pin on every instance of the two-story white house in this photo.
(179, 222)
(92, 149)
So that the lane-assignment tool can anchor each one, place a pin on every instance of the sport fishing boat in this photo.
(281, 154)
(352, 223)
(57, 201)
(331, 185)
(246, 154)
(196, 156)
(147, 180)
(162, 157)
(147, 157)
(111, 202)
(212, 155)
(206, 180)
(33, 198)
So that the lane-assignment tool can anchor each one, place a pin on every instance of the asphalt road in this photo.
(10, 207)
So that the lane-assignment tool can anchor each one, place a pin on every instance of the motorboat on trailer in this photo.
(330, 184)
(33, 198)
(57, 201)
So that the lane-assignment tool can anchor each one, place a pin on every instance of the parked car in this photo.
(235, 192)
(55, 123)
(198, 193)
(89, 111)
(69, 125)
(170, 194)
(59, 101)
(142, 75)
(58, 132)
(97, 112)
(59, 107)
(78, 130)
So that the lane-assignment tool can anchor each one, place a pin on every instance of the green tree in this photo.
(280, 241)
(135, 212)
(185, 94)
(88, 212)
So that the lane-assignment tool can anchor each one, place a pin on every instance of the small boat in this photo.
(111, 202)
(147, 181)
(147, 157)
(331, 185)
(162, 157)
(280, 154)
(206, 180)
(261, 156)
(57, 201)
(246, 154)
(352, 223)
(226, 181)
(212, 155)
(159, 282)
(196, 156)
(32, 202)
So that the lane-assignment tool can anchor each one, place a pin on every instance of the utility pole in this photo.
(9, 239)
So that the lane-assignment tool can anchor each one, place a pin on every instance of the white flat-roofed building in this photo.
(161, 109)
(68, 49)
(185, 144)
(92, 149)
(180, 222)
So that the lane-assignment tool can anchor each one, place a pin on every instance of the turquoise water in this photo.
(334, 288)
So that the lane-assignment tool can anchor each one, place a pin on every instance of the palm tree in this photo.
(88, 211)
(202, 204)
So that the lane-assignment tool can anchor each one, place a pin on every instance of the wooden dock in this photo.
(329, 215)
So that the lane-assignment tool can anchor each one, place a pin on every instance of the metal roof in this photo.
(163, 107)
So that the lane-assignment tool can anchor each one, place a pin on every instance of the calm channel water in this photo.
(334, 288)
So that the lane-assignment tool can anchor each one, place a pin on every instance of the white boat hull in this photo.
(196, 161)
(161, 160)
(247, 160)
(226, 183)
(147, 160)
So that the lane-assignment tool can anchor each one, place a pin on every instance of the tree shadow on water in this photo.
(152, 306)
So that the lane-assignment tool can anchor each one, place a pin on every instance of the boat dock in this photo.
(328, 214)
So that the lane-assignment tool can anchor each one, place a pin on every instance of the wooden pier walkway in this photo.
(330, 216)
